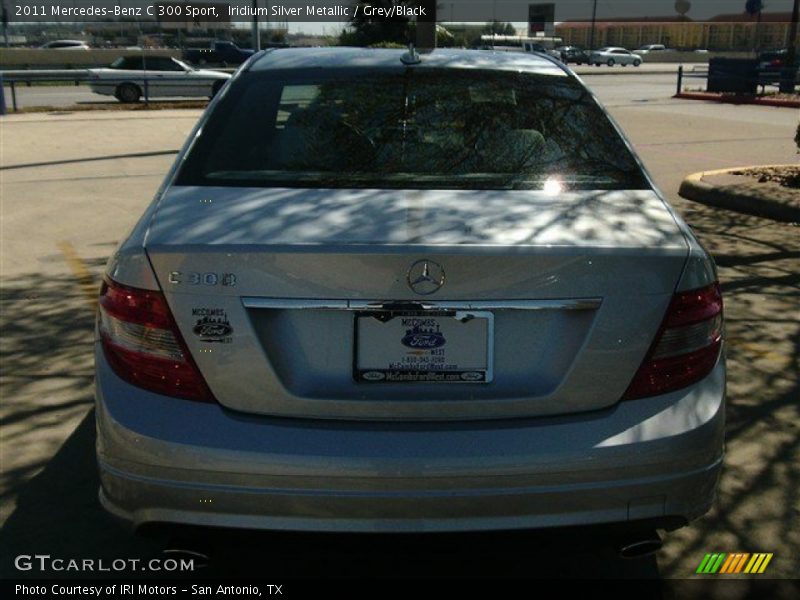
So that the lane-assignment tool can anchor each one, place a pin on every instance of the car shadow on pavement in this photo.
(757, 508)
(560, 553)
(58, 513)
(49, 480)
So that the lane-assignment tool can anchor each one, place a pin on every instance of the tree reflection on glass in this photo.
(421, 128)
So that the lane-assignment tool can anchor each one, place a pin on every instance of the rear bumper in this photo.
(167, 460)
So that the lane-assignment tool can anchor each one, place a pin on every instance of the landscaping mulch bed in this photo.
(785, 176)
(778, 100)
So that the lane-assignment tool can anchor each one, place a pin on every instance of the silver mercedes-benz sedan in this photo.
(389, 291)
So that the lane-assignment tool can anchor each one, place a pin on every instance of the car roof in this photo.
(382, 58)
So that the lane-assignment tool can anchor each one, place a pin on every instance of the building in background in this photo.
(736, 32)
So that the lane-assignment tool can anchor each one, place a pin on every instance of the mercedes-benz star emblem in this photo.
(425, 277)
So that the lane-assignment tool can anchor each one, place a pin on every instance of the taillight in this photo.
(687, 345)
(143, 344)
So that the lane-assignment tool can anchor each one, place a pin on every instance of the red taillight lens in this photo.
(143, 344)
(687, 345)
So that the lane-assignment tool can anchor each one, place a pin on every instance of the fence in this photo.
(761, 79)
(13, 78)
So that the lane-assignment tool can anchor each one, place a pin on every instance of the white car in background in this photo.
(65, 45)
(611, 56)
(648, 48)
(129, 78)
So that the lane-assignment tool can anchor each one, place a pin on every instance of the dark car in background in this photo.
(573, 54)
(217, 52)
(541, 48)
(771, 65)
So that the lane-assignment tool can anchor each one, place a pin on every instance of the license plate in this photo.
(423, 347)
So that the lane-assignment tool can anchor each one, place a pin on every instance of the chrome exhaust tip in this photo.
(640, 547)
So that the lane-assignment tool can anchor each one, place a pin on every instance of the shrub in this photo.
(797, 137)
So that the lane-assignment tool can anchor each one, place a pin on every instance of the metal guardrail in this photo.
(78, 76)
(28, 75)
(14, 77)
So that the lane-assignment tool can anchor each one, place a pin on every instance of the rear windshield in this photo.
(422, 128)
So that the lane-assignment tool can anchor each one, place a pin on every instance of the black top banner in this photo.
(462, 11)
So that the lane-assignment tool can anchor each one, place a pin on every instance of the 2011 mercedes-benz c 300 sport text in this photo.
(389, 291)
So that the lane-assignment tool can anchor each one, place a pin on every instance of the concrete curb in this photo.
(604, 70)
(695, 189)
(738, 99)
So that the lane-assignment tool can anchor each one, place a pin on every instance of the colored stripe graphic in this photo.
(711, 563)
(758, 563)
(741, 562)
(727, 564)
(734, 563)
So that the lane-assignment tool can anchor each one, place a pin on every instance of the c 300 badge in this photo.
(195, 278)
(212, 326)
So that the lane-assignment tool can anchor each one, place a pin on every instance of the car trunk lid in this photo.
(266, 286)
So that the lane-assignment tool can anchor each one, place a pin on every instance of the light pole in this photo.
(256, 32)
(754, 8)
(426, 29)
(594, 19)
(5, 24)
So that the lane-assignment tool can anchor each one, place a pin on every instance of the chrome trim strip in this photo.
(366, 305)
(294, 304)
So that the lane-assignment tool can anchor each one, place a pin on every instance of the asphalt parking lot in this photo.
(72, 185)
